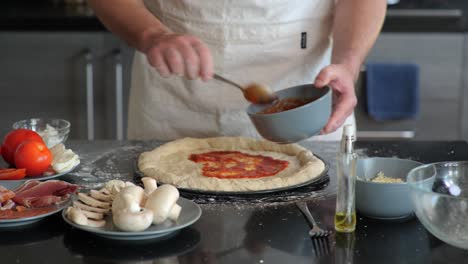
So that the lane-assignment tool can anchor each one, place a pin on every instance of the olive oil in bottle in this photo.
(345, 213)
(344, 222)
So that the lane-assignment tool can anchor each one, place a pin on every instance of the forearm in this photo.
(356, 26)
(130, 20)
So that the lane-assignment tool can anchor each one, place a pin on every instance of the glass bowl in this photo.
(52, 130)
(439, 194)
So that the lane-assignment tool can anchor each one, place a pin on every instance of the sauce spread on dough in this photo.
(286, 104)
(236, 165)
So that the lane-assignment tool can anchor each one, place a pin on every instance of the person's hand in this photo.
(182, 55)
(341, 80)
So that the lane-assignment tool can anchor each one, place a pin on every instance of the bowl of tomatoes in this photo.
(26, 154)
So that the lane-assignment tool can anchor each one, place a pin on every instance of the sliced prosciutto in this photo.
(7, 205)
(43, 201)
(5, 194)
(27, 185)
(34, 194)
(13, 214)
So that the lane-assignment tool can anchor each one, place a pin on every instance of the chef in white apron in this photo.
(280, 43)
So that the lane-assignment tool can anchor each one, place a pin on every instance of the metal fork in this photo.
(315, 230)
(320, 247)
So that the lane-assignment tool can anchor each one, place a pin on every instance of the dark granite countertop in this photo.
(257, 229)
(50, 15)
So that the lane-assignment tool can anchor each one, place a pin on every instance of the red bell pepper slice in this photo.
(12, 174)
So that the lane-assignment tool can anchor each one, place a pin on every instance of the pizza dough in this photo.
(170, 163)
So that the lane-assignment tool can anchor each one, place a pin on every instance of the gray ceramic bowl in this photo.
(389, 201)
(296, 124)
(443, 214)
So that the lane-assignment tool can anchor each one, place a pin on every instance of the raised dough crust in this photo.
(169, 163)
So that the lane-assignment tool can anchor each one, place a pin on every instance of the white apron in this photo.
(280, 43)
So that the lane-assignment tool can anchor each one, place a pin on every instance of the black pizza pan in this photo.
(319, 180)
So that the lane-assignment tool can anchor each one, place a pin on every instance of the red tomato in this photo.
(12, 174)
(12, 141)
(34, 156)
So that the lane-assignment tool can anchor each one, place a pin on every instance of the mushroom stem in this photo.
(150, 184)
(175, 212)
(130, 203)
(123, 199)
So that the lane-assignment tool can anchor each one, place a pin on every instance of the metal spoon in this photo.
(254, 93)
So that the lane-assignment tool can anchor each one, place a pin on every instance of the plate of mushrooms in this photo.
(125, 211)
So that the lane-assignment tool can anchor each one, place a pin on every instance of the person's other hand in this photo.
(182, 55)
(341, 80)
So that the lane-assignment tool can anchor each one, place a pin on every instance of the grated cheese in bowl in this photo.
(381, 178)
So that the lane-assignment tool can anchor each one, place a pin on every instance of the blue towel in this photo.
(392, 91)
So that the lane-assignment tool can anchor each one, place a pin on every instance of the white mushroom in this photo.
(99, 195)
(79, 218)
(127, 213)
(134, 191)
(111, 183)
(127, 183)
(92, 215)
(92, 202)
(114, 186)
(105, 191)
(161, 201)
(83, 206)
(133, 222)
(150, 184)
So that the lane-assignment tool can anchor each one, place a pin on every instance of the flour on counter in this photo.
(117, 164)
(316, 190)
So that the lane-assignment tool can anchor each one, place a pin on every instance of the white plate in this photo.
(13, 184)
(48, 177)
(190, 213)
(29, 220)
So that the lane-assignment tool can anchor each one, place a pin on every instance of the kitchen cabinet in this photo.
(440, 58)
(117, 59)
(65, 75)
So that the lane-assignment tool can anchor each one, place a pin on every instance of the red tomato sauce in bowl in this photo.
(285, 105)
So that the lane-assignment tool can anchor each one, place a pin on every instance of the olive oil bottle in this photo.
(345, 213)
